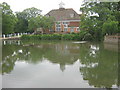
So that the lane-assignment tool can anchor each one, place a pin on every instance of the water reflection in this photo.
(98, 66)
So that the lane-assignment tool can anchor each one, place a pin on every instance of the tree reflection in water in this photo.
(98, 66)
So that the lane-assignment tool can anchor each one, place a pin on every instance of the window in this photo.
(58, 25)
(65, 29)
(78, 29)
(71, 15)
(58, 29)
(65, 22)
(72, 29)
(65, 25)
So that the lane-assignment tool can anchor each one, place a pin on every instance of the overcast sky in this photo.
(44, 5)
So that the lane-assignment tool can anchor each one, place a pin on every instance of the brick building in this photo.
(66, 20)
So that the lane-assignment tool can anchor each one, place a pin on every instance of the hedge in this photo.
(78, 37)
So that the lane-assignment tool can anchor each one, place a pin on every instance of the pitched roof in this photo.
(64, 14)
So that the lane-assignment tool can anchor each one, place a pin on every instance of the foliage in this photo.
(26, 16)
(8, 19)
(21, 25)
(95, 19)
(77, 37)
(47, 22)
(40, 22)
(33, 23)
(110, 27)
(29, 13)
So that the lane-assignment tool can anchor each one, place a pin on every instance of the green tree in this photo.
(34, 23)
(31, 13)
(47, 22)
(22, 23)
(110, 27)
(94, 17)
(8, 19)
(40, 22)
(26, 16)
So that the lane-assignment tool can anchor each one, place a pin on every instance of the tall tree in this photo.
(40, 22)
(94, 17)
(8, 19)
(22, 23)
(25, 17)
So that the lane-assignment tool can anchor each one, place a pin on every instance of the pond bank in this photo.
(11, 38)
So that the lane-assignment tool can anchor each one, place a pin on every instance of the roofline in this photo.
(65, 9)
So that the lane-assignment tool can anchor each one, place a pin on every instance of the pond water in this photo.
(59, 64)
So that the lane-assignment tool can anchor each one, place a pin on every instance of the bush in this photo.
(88, 37)
(81, 36)
(56, 37)
(67, 37)
(31, 37)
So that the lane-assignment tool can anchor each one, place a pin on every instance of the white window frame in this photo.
(71, 29)
(58, 29)
(65, 29)
(78, 29)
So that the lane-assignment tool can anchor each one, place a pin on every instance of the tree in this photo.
(26, 16)
(94, 17)
(47, 22)
(8, 19)
(22, 23)
(40, 22)
(110, 27)
(34, 23)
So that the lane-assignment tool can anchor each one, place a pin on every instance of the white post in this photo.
(18, 34)
(3, 35)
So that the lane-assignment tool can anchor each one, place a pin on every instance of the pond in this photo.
(59, 64)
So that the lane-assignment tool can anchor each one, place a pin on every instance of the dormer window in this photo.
(72, 15)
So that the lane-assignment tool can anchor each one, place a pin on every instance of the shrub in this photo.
(88, 37)
(67, 37)
(81, 36)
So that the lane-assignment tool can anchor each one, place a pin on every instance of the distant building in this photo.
(66, 20)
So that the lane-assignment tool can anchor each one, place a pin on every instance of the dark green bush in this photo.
(88, 37)
(67, 37)
(81, 36)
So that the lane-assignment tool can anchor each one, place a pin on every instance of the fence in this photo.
(13, 35)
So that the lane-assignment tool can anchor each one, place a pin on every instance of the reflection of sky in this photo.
(44, 75)
(1, 82)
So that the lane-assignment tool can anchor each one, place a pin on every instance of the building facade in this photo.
(66, 20)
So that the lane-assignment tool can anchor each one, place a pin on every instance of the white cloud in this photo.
(44, 5)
